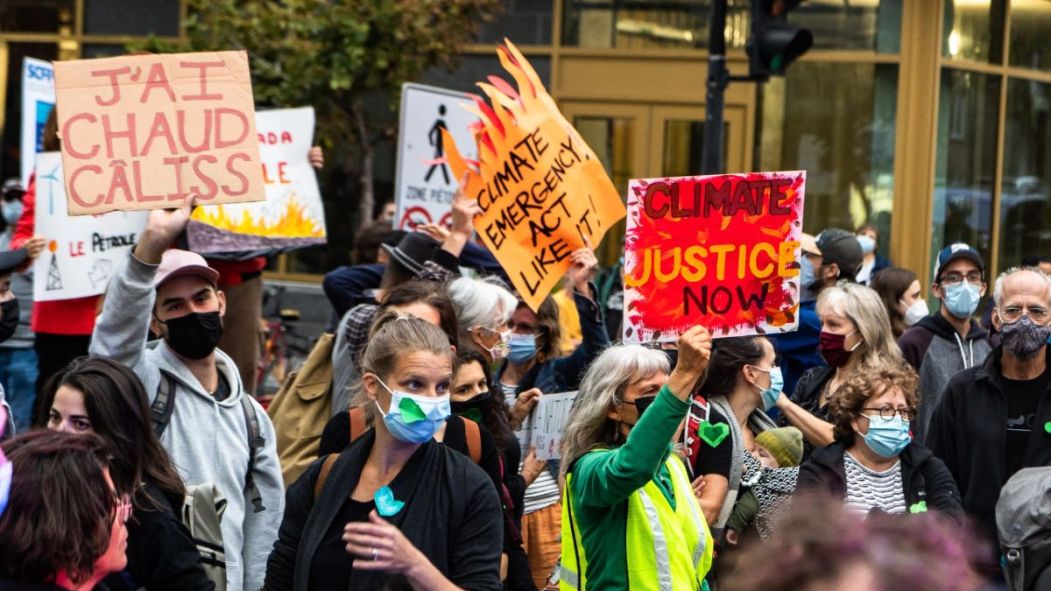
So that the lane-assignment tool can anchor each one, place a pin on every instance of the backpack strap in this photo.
(357, 423)
(326, 467)
(255, 441)
(474, 440)
(163, 404)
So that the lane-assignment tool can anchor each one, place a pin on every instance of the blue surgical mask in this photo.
(11, 210)
(777, 385)
(806, 279)
(521, 348)
(887, 437)
(868, 245)
(961, 299)
(414, 427)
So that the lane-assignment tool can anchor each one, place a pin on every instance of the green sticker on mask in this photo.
(920, 507)
(410, 411)
(1047, 427)
(713, 433)
(472, 413)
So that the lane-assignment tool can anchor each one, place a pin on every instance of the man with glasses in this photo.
(949, 340)
(995, 419)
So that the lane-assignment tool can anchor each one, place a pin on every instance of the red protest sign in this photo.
(719, 251)
(144, 131)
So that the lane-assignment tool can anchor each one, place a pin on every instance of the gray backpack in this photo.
(202, 513)
(1023, 522)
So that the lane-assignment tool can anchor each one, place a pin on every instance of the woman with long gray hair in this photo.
(627, 497)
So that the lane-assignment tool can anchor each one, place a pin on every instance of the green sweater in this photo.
(602, 481)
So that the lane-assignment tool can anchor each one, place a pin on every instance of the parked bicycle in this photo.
(282, 350)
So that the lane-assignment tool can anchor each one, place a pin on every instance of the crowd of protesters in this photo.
(393, 459)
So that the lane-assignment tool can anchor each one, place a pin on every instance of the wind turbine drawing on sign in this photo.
(50, 188)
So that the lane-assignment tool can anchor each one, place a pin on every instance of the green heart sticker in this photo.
(713, 433)
(920, 507)
(410, 411)
(1047, 427)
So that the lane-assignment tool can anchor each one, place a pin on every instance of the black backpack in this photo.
(1023, 522)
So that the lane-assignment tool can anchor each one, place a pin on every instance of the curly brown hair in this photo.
(60, 510)
(851, 396)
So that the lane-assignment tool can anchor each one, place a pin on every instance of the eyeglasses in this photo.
(974, 278)
(1038, 314)
(123, 508)
(888, 412)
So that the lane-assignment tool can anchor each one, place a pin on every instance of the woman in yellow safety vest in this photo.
(630, 520)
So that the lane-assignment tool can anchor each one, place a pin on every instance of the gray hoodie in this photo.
(206, 439)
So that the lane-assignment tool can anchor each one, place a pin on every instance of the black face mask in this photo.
(9, 322)
(472, 409)
(641, 404)
(195, 335)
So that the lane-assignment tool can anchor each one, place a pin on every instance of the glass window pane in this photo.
(966, 161)
(836, 24)
(613, 140)
(849, 24)
(974, 30)
(36, 16)
(1025, 200)
(649, 23)
(526, 22)
(1030, 25)
(684, 146)
(131, 17)
(836, 121)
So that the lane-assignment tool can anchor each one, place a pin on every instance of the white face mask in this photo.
(916, 312)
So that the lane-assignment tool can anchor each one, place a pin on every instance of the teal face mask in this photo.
(887, 437)
(777, 385)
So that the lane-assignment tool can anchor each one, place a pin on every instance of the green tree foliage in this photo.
(333, 54)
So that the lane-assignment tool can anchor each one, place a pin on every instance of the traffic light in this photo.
(774, 43)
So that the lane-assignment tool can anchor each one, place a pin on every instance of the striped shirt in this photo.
(868, 489)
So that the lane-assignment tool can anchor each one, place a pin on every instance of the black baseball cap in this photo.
(842, 248)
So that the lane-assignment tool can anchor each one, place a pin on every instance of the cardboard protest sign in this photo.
(292, 216)
(549, 423)
(424, 184)
(720, 251)
(541, 189)
(144, 131)
(83, 251)
(38, 98)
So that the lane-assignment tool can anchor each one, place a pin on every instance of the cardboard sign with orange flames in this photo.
(292, 215)
(542, 190)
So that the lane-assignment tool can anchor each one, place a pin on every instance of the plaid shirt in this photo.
(360, 321)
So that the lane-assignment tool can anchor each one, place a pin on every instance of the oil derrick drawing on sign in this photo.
(54, 278)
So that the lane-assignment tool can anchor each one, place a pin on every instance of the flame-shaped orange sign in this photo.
(542, 190)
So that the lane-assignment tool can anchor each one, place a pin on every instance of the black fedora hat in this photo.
(413, 251)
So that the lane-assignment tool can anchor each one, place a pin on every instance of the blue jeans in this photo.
(18, 373)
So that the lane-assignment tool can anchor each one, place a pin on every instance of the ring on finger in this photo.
(375, 554)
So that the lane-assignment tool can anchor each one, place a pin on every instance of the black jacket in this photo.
(807, 394)
(12, 585)
(969, 433)
(161, 553)
(924, 478)
(451, 514)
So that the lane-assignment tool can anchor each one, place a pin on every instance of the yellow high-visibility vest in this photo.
(667, 549)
